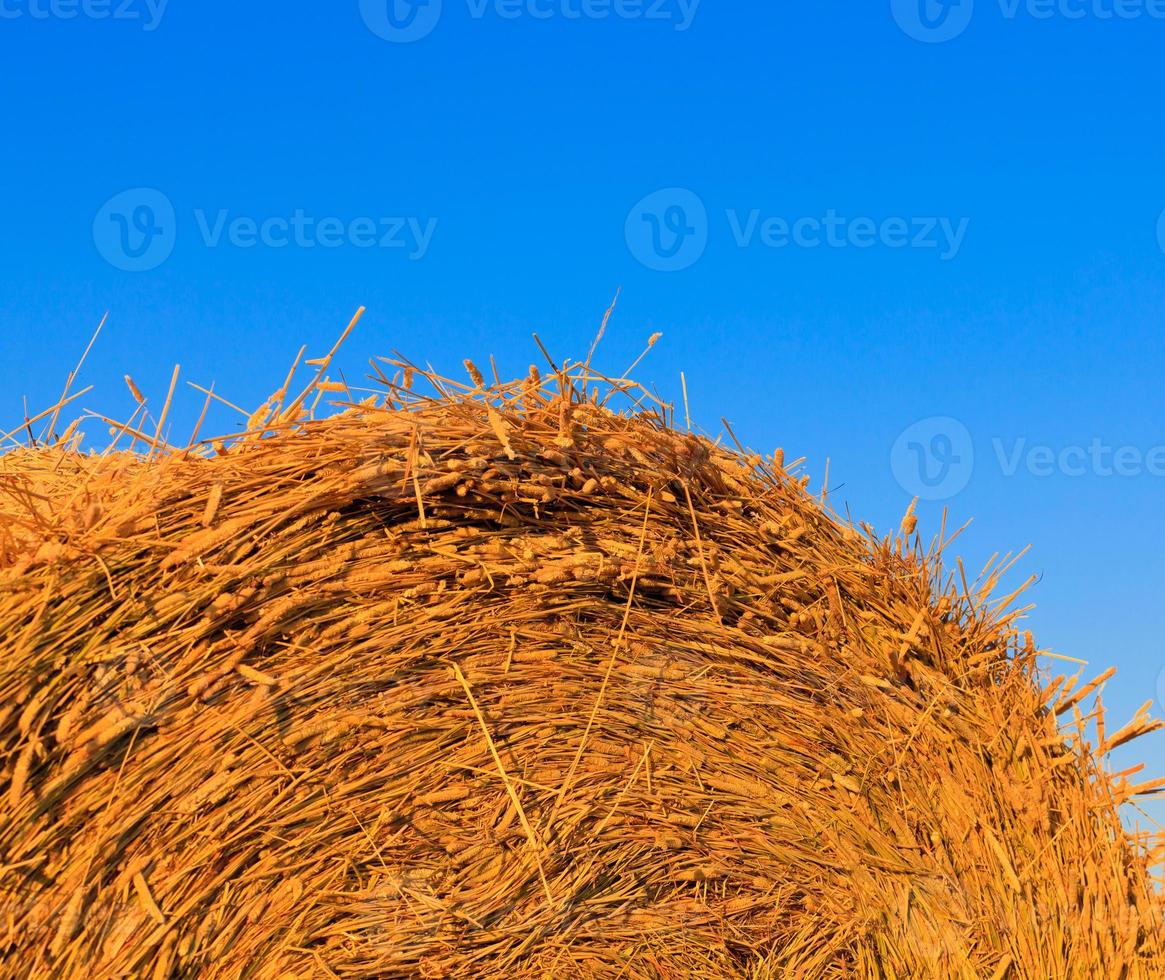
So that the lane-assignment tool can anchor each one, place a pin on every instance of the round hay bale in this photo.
(503, 683)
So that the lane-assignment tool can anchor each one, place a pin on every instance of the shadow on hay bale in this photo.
(503, 683)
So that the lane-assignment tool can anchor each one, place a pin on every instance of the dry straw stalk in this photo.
(501, 682)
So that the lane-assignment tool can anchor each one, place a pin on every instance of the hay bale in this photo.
(504, 683)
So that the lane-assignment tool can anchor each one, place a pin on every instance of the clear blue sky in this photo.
(523, 140)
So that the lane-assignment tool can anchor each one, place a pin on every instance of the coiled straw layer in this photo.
(503, 683)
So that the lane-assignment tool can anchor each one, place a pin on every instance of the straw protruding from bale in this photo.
(503, 682)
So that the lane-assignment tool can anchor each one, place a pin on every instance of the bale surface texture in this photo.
(504, 683)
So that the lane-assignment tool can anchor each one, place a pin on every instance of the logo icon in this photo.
(401, 21)
(934, 458)
(932, 21)
(135, 230)
(668, 231)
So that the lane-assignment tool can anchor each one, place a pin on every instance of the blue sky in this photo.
(844, 232)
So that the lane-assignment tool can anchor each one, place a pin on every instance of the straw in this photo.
(506, 681)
